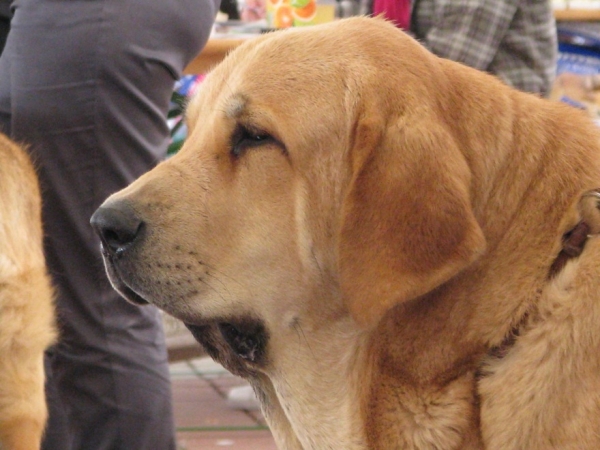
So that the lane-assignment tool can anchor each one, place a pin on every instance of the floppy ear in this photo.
(407, 223)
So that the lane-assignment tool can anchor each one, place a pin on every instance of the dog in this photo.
(26, 303)
(397, 251)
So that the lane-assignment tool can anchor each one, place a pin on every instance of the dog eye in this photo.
(245, 138)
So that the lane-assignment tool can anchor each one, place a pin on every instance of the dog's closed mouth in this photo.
(130, 295)
(118, 283)
(246, 338)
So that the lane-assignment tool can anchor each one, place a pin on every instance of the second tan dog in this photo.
(26, 309)
(397, 251)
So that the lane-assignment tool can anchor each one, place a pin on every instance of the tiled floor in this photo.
(202, 416)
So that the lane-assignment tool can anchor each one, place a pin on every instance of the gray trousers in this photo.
(86, 85)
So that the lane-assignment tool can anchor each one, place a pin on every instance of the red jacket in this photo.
(397, 11)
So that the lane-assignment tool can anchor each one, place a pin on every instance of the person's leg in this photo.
(57, 429)
(90, 86)
(4, 22)
(5, 90)
(56, 434)
(4, 29)
(110, 363)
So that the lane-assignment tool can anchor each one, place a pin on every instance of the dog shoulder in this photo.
(550, 376)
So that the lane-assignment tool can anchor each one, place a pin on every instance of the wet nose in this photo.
(118, 226)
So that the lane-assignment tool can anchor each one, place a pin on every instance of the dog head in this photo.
(312, 186)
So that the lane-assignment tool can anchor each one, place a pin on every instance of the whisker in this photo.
(223, 274)
(212, 288)
(297, 327)
(319, 268)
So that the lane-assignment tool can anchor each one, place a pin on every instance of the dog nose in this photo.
(118, 227)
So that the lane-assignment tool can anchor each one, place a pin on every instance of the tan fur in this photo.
(26, 311)
(553, 399)
(403, 221)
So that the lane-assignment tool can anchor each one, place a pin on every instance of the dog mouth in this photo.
(238, 343)
(129, 294)
(118, 283)
(247, 339)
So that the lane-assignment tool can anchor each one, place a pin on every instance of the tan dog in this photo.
(359, 228)
(26, 311)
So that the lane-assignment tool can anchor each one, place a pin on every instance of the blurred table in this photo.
(577, 15)
(226, 36)
(213, 53)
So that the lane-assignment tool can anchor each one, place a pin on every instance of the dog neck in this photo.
(314, 387)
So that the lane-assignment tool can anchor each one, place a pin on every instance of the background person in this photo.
(512, 39)
(4, 22)
(86, 86)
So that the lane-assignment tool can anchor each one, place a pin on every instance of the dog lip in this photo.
(119, 285)
(131, 295)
